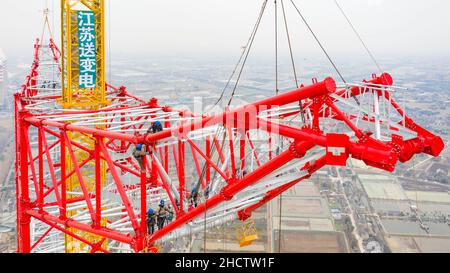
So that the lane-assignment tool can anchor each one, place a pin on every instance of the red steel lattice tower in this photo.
(211, 169)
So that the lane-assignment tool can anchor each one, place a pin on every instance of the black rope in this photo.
(279, 223)
(359, 36)
(248, 51)
(212, 154)
(276, 79)
(323, 48)
(204, 227)
(289, 44)
(241, 57)
(294, 70)
(230, 78)
(276, 47)
(242, 61)
(318, 41)
(276, 64)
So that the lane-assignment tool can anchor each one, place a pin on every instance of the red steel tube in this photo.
(274, 193)
(321, 88)
(97, 132)
(227, 192)
(110, 234)
(23, 220)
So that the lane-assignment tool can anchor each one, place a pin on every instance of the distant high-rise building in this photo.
(3, 81)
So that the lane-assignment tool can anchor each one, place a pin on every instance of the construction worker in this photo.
(151, 220)
(138, 153)
(207, 192)
(155, 127)
(193, 197)
(161, 213)
(150, 129)
(170, 215)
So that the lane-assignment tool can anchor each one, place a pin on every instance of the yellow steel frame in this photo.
(73, 185)
(73, 96)
(89, 99)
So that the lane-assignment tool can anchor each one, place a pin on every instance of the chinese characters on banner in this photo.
(87, 49)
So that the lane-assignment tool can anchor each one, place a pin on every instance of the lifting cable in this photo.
(245, 53)
(276, 48)
(197, 187)
(248, 50)
(53, 16)
(276, 69)
(276, 91)
(244, 50)
(289, 44)
(318, 41)
(46, 25)
(241, 64)
(359, 36)
(213, 149)
(294, 70)
(279, 223)
(276, 80)
(322, 47)
(231, 77)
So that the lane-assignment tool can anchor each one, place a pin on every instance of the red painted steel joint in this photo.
(225, 196)
(25, 205)
(298, 149)
(166, 108)
(153, 103)
(137, 243)
(293, 150)
(435, 147)
(123, 91)
(244, 215)
(232, 180)
(384, 79)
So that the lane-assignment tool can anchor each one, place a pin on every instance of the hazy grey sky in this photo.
(222, 26)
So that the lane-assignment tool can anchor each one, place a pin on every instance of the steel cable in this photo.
(318, 41)
(294, 70)
(359, 36)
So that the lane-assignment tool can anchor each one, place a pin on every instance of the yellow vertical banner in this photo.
(83, 50)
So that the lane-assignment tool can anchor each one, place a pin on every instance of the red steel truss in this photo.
(236, 161)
